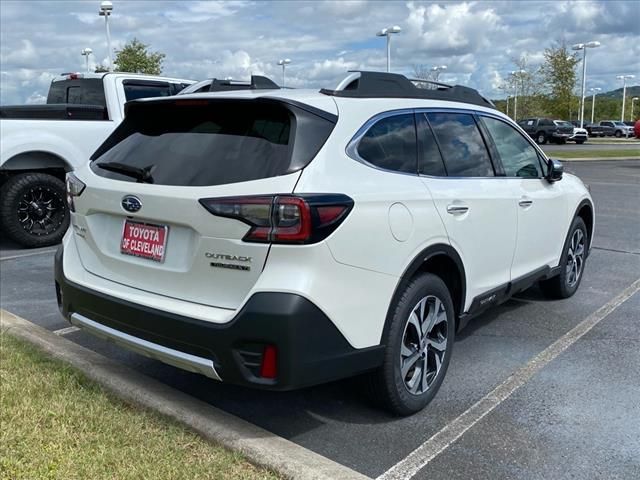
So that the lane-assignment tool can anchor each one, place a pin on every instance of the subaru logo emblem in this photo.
(131, 204)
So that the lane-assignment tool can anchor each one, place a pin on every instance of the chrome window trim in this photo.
(352, 146)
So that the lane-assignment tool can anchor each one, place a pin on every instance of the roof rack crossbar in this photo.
(258, 82)
(364, 84)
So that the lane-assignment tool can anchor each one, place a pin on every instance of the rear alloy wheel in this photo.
(618, 134)
(419, 343)
(572, 263)
(33, 209)
(541, 138)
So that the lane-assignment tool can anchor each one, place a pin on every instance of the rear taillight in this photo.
(74, 189)
(285, 218)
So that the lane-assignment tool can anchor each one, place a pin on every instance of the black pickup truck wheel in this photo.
(541, 138)
(33, 209)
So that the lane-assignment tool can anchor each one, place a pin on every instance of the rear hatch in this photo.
(144, 217)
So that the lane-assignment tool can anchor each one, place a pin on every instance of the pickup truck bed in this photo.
(39, 144)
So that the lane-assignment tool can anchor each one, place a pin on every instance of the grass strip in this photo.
(567, 154)
(57, 424)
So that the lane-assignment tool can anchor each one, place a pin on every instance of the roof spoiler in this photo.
(362, 84)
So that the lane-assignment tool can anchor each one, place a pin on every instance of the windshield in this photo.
(562, 123)
(619, 124)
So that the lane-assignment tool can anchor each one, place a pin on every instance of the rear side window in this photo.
(463, 149)
(134, 89)
(80, 91)
(391, 144)
(198, 143)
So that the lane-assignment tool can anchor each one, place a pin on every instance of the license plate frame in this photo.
(125, 241)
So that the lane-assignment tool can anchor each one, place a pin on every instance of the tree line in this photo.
(553, 90)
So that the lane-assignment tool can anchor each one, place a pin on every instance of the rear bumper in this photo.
(310, 349)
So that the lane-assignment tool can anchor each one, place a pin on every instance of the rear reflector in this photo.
(269, 366)
(300, 219)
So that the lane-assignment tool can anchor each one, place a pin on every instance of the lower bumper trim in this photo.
(176, 358)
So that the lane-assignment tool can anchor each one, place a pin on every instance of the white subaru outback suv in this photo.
(283, 238)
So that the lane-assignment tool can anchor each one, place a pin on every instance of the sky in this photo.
(40, 39)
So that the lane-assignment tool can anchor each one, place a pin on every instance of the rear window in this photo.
(198, 143)
(135, 89)
(80, 91)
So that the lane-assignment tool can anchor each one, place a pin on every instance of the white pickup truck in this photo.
(39, 144)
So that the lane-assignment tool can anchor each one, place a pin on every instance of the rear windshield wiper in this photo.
(142, 175)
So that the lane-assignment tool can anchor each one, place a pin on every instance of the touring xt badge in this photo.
(231, 258)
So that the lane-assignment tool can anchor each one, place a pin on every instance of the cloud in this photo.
(451, 29)
(476, 40)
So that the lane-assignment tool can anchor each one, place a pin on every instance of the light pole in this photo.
(633, 101)
(437, 69)
(106, 8)
(624, 91)
(85, 53)
(387, 32)
(284, 62)
(516, 74)
(583, 47)
(507, 112)
(593, 100)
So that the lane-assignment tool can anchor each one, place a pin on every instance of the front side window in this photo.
(391, 144)
(463, 149)
(519, 157)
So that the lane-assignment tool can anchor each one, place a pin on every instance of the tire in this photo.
(618, 134)
(541, 138)
(580, 142)
(562, 141)
(565, 284)
(33, 209)
(430, 353)
(602, 135)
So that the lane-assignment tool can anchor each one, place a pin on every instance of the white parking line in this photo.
(439, 442)
(31, 254)
(66, 330)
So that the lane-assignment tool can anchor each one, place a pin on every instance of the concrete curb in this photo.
(261, 447)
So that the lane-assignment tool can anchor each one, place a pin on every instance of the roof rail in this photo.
(361, 84)
(258, 82)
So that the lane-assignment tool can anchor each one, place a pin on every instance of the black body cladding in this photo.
(310, 349)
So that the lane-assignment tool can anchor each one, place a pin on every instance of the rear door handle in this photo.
(454, 209)
(525, 202)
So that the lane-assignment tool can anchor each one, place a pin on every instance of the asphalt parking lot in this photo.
(576, 417)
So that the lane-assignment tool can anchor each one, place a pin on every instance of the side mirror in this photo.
(555, 169)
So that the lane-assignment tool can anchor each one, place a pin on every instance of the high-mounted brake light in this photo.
(285, 218)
